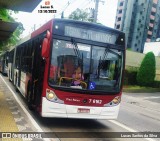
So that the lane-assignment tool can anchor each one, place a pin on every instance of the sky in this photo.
(106, 13)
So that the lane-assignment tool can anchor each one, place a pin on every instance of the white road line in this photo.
(152, 97)
(26, 112)
(128, 128)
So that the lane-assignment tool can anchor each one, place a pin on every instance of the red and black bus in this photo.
(70, 69)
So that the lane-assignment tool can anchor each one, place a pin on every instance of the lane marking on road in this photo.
(152, 97)
(26, 112)
(128, 128)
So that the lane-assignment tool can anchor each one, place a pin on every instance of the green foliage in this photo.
(138, 89)
(80, 15)
(130, 74)
(147, 70)
(5, 15)
(130, 49)
(156, 84)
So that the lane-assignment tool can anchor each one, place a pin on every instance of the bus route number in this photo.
(95, 101)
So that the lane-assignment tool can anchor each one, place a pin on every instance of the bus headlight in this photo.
(51, 96)
(114, 102)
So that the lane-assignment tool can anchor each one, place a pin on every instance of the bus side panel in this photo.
(45, 81)
(22, 83)
(0, 64)
(15, 77)
(10, 71)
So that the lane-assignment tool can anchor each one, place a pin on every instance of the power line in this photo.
(65, 7)
(68, 4)
(84, 4)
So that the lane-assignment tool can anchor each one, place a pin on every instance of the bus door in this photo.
(37, 73)
(21, 62)
(17, 67)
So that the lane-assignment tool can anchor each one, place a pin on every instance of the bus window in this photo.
(103, 68)
(107, 68)
(65, 59)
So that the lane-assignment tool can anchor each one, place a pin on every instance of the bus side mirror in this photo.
(45, 51)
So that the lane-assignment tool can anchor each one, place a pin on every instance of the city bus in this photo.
(70, 69)
(4, 63)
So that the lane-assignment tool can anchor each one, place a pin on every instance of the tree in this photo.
(147, 70)
(80, 15)
(5, 15)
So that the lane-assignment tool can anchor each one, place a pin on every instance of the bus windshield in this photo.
(83, 66)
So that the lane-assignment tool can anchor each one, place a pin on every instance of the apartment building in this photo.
(140, 20)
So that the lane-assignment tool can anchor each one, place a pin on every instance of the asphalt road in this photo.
(141, 111)
(138, 113)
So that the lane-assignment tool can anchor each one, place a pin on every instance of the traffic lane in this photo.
(133, 117)
(81, 127)
(72, 125)
(139, 113)
(152, 97)
(143, 106)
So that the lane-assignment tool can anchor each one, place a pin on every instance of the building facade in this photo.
(140, 20)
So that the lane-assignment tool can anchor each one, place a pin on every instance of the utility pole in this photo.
(96, 9)
(62, 14)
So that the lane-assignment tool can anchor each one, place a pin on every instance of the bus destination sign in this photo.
(90, 34)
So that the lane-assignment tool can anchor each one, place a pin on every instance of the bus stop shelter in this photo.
(7, 28)
(20, 5)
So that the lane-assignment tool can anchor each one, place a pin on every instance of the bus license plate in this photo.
(81, 110)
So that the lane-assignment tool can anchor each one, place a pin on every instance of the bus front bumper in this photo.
(56, 110)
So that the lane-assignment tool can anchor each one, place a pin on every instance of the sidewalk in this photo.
(7, 121)
(12, 117)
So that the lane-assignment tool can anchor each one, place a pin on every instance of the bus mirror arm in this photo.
(45, 51)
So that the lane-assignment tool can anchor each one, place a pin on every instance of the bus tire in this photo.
(29, 101)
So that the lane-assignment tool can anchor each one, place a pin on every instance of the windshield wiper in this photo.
(76, 50)
(77, 53)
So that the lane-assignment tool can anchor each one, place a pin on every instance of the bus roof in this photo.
(95, 25)
(48, 24)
